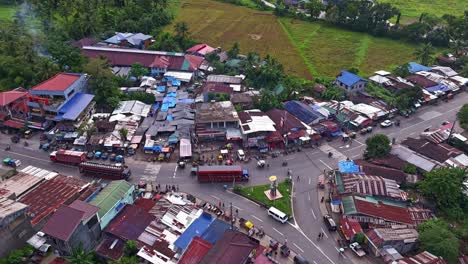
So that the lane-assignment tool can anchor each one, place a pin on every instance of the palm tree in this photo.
(123, 134)
(424, 53)
(181, 29)
(81, 256)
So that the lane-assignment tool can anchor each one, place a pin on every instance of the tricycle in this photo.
(285, 251)
(181, 164)
(261, 163)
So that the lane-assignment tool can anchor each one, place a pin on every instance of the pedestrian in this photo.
(237, 213)
(285, 241)
(159, 186)
(298, 179)
(223, 205)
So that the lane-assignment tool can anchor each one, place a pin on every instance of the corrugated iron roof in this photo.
(108, 197)
(235, 247)
(130, 222)
(59, 82)
(197, 249)
(63, 223)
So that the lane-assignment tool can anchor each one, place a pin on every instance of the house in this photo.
(400, 238)
(445, 71)
(216, 91)
(369, 111)
(62, 99)
(441, 80)
(376, 168)
(112, 199)
(200, 50)
(422, 258)
(439, 152)
(242, 100)
(50, 195)
(217, 120)
(372, 212)
(15, 225)
(73, 226)
(197, 249)
(13, 108)
(255, 125)
(304, 112)
(159, 62)
(357, 183)
(414, 67)
(289, 129)
(234, 247)
(428, 85)
(350, 227)
(226, 79)
(342, 113)
(350, 82)
(412, 157)
(24, 181)
(130, 40)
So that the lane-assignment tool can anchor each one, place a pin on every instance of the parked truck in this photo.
(222, 174)
(68, 156)
(117, 171)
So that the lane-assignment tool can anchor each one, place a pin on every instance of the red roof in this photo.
(145, 204)
(89, 210)
(235, 247)
(130, 223)
(10, 96)
(284, 121)
(63, 223)
(60, 82)
(108, 249)
(274, 136)
(13, 124)
(422, 258)
(384, 211)
(202, 49)
(350, 227)
(197, 249)
(215, 87)
(50, 195)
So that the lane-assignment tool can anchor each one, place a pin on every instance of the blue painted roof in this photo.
(349, 78)
(302, 111)
(73, 107)
(416, 67)
(197, 228)
(215, 231)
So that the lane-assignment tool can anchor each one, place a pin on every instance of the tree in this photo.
(425, 53)
(464, 70)
(360, 238)
(378, 146)
(333, 93)
(147, 98)
(267, 101)
(462, 116)
(314, 8)
(182, 31)
(165, 42)
(410, 168)
(402, 70)
(126, 260)
(130, 248)
(137, 70)
(436, 237)
(80, 256)
(102, 83)
(123, 132)
(233, 51)
(445, 187)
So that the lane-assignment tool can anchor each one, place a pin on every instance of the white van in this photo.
(241, 154)
(278, 215)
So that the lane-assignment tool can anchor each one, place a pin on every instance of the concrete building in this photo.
(401, 238)
(255, 126)
(72, 226)
(112, 199)
(217, 120)
(350, 82)
(15, 227)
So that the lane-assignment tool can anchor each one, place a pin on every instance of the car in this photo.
(357, 249)
(386, 123)
(298, 259)
(329, 222)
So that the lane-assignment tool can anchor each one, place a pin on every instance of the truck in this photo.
(68, 156)
(11, 162)
(222, 174)
(117, 171)
(356, 248)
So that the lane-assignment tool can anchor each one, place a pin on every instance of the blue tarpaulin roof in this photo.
(439, 87)
(197, 228)
(349, 78)
(416, 67)
(75, 106)
(156, 106)
(171, 94)
(348, 167)
(169, 118)
(161, 89)
(164, 107)
(336, 133)
(302, 111)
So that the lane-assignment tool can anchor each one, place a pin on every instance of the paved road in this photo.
(301, 233)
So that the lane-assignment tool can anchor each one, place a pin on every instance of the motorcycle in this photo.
(26, 144)
(330, 154)
(7, 148)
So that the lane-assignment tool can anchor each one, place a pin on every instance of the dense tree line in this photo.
(374, 18)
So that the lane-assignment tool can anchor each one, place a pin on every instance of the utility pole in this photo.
(451, 129)
(232, 218)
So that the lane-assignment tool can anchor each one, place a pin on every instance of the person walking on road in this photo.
(298, 179)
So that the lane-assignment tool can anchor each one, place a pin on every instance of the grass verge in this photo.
(256, 193)
(7, 11)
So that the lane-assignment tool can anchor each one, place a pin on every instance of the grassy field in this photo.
(305, 49)
(412, 9)
(7, 11)
(256, 193)
(220, 24)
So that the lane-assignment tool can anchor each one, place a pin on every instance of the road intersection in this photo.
(309, 164)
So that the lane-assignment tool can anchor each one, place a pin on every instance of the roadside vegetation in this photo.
(257, 194)
(7, 11)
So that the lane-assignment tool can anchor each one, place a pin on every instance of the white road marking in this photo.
(325, 164)
(308, 195)
(257, 218)
(314, 261)
(315, 245)
(175, 171)
(309, 183)
(355, 156)
(243, 198)
(412, 133)
(292, 203)
(313, 213)
(293, 225)
(278, 231)
(325, 233)
(238, 208)
(339, 251)
(298, 247)
(215, 197)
